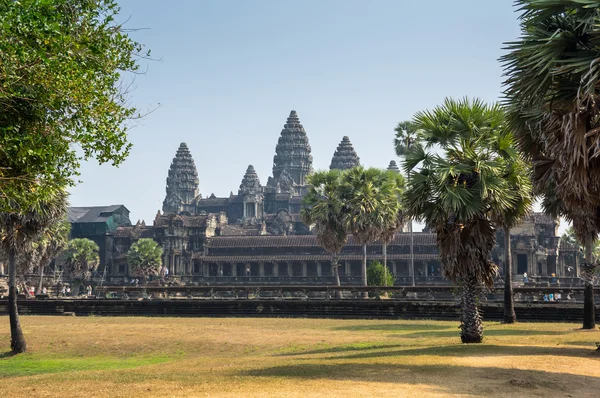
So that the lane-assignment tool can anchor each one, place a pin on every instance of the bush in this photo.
(376, 276)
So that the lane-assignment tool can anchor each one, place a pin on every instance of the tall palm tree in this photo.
(51, 243)
(457, 183)
(394, 224)
(552, 86)
(17, 231)
(406, 136)
(371, 206)
(324, 209)
(517, 174)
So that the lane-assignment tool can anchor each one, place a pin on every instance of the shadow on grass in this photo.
(392, 327)
(343, 348)
(474, 350)
(7, 354)
(487, 332)
(477, 381)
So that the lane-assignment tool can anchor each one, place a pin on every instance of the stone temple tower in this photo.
(252, 195)
(345, 156)
(393, 166)
(182, 182)
(292, 153)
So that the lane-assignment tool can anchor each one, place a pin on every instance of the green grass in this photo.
(30, 364)
(233, 357)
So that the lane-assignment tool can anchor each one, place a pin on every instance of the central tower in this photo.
(292, 153)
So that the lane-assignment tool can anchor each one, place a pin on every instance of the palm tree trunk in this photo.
(509, 306)
(336, 275)
(471, 327)
(384, 263)
(41, 283)
(17, 340)
(587, 270)
(364, 270)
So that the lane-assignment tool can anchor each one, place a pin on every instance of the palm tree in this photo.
(371, 206)
(324, 209)
(52, 242)
(406, 136)
(552, 86)
(17, 231)
(394, 223)
(517, 175)
(81, 259)
(456, 192)
(144, 258)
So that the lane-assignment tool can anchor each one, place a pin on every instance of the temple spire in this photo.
(182, 181)
(345, 156)
(393, 166)
(250, 183)
(292, 153)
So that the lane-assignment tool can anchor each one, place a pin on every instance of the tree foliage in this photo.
(144, 258)
(406, 136)
(552, 87)
(81, 259)
(459, 186)
(61, 90)
(377, 275)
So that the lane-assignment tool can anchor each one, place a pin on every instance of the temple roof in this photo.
(93, 214)
(311, 257)
(420, 239)
(250, 183)
(345, 156)
(292, 152)
(393, 166)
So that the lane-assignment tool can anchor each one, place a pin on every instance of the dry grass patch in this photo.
(231, 357)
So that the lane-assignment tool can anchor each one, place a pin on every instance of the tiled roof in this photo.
(420, 239)
(311, 257)
(92, 214)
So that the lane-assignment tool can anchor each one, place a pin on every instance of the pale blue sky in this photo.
(230, 72)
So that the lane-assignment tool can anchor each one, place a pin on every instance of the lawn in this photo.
(234, 357)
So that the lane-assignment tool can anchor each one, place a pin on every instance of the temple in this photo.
(258, 234)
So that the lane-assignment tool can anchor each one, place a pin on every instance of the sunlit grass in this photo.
(106, 357)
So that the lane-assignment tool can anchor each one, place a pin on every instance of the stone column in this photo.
(261, 269)
(318, 269)
(205, 269)
(275, 269)
(233, 269)
(348, 269)
(290, 270)
(172, 264)
(304, 269)
(1, 268)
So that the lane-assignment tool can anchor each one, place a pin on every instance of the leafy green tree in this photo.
(18, 231)
(552, 86)
(457, 184)
(81, 259)
(62, 64)
(378, 275)
(144, 258)
(323, 209)
(371, 206)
